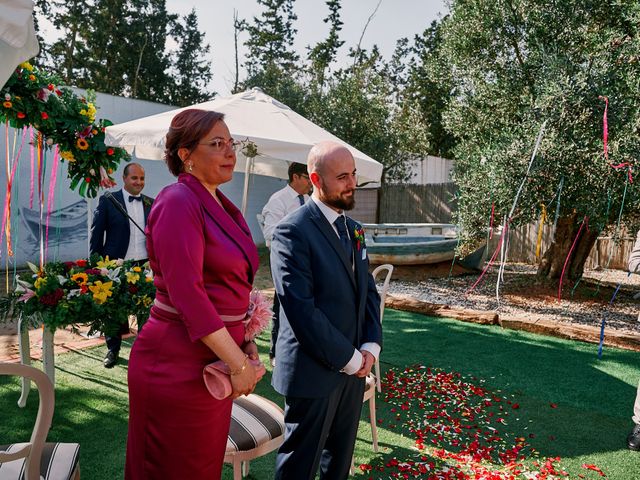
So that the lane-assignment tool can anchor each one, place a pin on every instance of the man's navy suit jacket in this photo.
(327, 309)
(109, 220)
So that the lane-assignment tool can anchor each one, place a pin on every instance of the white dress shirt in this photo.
(137, 249)
(281, 204)
(356, 360)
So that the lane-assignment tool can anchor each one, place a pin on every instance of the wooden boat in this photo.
(410, 243)
(69, 222)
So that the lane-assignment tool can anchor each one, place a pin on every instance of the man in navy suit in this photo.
(330, 332)
(114, 235)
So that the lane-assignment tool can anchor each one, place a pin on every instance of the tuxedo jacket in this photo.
(328, 307)
(110, 227)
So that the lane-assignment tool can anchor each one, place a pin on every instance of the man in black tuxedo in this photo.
(330, 331)
(114, 235)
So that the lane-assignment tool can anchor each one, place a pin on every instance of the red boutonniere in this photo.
(358, 237)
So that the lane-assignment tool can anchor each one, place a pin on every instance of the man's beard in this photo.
(339, 202)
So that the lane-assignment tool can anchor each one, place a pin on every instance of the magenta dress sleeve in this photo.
(176, 249)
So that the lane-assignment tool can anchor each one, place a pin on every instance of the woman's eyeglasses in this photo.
(219, 144)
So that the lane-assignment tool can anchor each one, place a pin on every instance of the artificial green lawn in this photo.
(594, 398)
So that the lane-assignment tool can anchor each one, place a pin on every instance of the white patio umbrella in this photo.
(18, 41)
(281, 135)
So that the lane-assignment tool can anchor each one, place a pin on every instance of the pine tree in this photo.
(271, 38)
(324, 53)
(65, 55)
(192, 72)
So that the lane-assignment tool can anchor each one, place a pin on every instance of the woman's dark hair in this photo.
(186, 130)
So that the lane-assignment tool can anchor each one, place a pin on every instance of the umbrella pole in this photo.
(245, 193)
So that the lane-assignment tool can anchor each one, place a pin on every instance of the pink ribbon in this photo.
(52, 190)
(32, 149)
(493, 207)
(605, 127)
(6, 216)
(493, 257)
(585, 221)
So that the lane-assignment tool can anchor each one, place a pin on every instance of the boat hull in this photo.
(410, 244)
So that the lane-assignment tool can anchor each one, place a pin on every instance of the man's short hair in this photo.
(297, 169)
(125, 172)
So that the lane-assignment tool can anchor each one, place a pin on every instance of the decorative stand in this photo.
(25, 357)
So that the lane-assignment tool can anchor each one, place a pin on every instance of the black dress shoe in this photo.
(633, 440)
(110, 359)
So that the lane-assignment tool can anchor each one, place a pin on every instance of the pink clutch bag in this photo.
(217, 377)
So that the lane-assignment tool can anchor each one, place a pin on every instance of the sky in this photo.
(394, 19)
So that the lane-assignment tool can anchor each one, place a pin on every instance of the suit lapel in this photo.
(329, 233)
(229, 219)
(119, 196)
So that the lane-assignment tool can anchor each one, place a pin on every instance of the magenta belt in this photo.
(227, 319)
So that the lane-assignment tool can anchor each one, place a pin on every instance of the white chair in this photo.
(36, 459)
(373, 380)
(257, 428)
(383, 297)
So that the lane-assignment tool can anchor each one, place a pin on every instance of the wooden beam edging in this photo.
(583, 333)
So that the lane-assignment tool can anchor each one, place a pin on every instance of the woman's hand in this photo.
(251, 349)
(244, 381)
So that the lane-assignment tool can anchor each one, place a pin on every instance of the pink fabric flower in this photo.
(105, 180)
(27, 295)
(259, 313)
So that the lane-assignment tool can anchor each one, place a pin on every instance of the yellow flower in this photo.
(136, 269)
(80, 278)
(67, 155)
(32, 78)
(106, 263)
(148, 279)
(132, 277)
(7, 104)
(26, 66)
(40, 281)
(101, 291)
(82, 144)
(89, 112)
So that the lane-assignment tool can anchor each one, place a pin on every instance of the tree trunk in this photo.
(554, 258)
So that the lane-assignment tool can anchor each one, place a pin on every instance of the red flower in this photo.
(87, 179)
(81, 263)
(133, 289)
(553, 405)
(110, 151)
(21, 115)
(51, 87)
(52, 298)
(44, 115)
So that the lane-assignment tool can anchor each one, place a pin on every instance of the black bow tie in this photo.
(131, 198)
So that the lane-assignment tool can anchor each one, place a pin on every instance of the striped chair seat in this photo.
(257, 428)
(59, 462)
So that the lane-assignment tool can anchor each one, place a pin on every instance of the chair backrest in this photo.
(385, 285)
(32, 451)
(260, 218)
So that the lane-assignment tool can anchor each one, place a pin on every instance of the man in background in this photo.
(281, 204)
(117, 231)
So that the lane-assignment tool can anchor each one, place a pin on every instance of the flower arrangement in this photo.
(33, 97)
(259, 315)
(358, 237)
(97, 292)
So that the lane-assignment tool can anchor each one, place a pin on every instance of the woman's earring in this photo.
(189, 166)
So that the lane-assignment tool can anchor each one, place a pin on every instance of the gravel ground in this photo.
(522, 295)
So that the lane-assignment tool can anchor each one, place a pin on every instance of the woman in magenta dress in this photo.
(204, 262)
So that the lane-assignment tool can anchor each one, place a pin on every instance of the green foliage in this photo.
(97, 292)
(34, 97)
(517, 63)
(192, 72)
(120, 47)
(324, 52)
(271, 37)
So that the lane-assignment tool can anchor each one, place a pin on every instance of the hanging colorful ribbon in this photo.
(52, 185)
(493, 208)
(11, 166)
(605, 142)
(32, 151)
(585, 223)
(543, 218)
(493, 257)
(604, 317)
